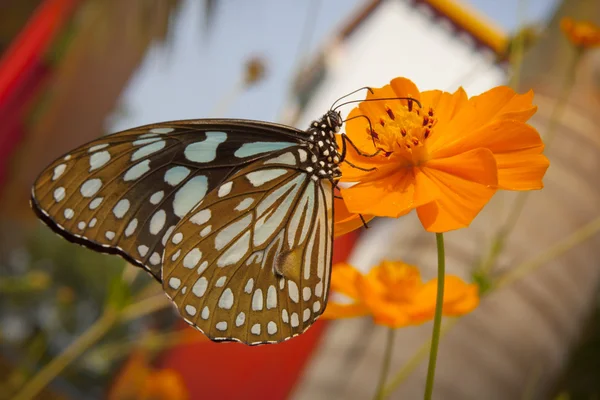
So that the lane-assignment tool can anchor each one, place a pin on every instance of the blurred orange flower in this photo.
(394, 294)
(583, 34)
(444, 157)
(138, 380)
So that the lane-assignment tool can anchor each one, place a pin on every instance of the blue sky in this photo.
(189, 75)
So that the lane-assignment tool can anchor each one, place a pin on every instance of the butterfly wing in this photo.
(252, 262)
(125, 193)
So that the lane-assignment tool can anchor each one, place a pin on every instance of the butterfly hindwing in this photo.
(125, 193)
(252, 262)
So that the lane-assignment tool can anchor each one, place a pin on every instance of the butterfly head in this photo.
(322, 143)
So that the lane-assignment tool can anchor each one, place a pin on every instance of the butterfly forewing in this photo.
(252, 262)
(125, 193)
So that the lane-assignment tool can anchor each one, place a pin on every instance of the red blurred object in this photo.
(236, 371)
(23, 72)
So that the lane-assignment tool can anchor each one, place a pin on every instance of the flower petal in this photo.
(466, 183)
(343, 280)
(504, 136)
(390, 197)
(503, 102)
(459, 298)
(444, 104)
(404, 87)
(345, 221)
(517, 171)
(338, 311)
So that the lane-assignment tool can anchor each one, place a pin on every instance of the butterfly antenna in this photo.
(410, 99)
(350, 94)
(372, 133)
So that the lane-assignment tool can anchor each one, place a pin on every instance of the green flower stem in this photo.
(437, 319)
(92, 335)
(577, 237)
(385, 367)
(60, 362)
(415, 360)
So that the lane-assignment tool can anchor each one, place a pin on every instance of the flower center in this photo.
(403, 131)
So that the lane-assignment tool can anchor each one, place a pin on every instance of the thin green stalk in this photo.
(385, 367)
(499, 240)
(550, 254)
(518, 46)
(437, 319)
(92, 335)
(415, 360)
(74, 350)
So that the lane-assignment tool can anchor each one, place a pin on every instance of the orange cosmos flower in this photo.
(394, 294)
(583, 34)
(138, 380)
(445, 157)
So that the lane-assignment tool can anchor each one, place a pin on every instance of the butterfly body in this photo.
(234, 217)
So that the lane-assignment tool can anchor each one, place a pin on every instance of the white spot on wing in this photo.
(177, 238)
(131, 227)
(231, 231)
(137, 171)
(175, 283)
(303, 155)
(306, 293)
(110, 235)
(189, 195)
(225, 189)
(271, 297)
(90, 187)
(69, 213)
(121, 208)
(255, 329)
(244, 204)
(161, 131)
(205, 312)
(258, 178)
(191, 310)
(200, 286)
(257, 300)
(294, 320)
(157, 197)
(241, 318)
(58, 171)
(148, 149)
(205, 151)
(175, 175)
(226, 299)
(155, 258)
(222, 326)
(157, 223)
(249, 286)
(59, 194)
(221, 281)
(98, 160)
(192, 258)
(316, 306)
(285, 158)
(250, 149)
(293, 291)
(201, 217)
(97, 147)
(236, 252)
(143, 250)
(272, 328)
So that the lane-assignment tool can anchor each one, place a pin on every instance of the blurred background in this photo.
(75, 324)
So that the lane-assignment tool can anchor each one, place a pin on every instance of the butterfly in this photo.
(233, 217)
